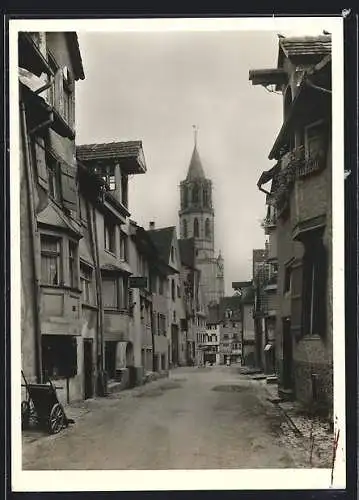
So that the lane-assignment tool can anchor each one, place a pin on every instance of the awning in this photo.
(268, 347)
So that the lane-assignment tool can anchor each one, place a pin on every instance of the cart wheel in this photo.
(56, 419)
(25, 414)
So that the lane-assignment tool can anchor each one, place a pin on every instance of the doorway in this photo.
(88, 365)
(174, 341)
(287, 355)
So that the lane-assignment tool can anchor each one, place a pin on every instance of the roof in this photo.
(187, 252)
(53, 216)
(232, 303)
(124, 150)
(75, 54)
(195, 169)
(304, 46)
(162, 238)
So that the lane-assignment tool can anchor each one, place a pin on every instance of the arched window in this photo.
(195, 194)
(185, 196)
(195, 228)
(205, 197)
(185, 228)
(207, 228)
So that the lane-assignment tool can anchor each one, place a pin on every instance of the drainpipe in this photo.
(33, 231)
(91, 216)
(153, 338)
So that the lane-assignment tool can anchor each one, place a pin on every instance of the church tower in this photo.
(196, 219)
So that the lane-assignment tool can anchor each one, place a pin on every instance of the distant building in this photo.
(300, 194)
(193, 301)
(196, 220)
(165, 240)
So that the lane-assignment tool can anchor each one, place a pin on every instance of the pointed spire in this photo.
(195, 169)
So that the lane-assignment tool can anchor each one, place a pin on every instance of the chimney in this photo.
(152, 224)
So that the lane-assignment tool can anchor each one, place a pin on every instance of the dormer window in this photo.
(108, 175)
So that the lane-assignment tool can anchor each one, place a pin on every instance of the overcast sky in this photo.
(154, 87)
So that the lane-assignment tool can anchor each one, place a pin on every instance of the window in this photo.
(205, 198)
(110, 235)
(173, 289)
(287, 279)
(73, 271)
(123, 246)
(178, 291)
(160, 286)
(59, 356)
(54, 177)
(68, 106)
(161, 324)
(314, 285)
(185, 196)
(50, 260)
(110, 293)
(115, 292)
(124, 190)
(195, 194)
(86, 283)
(185, 229)
(207, 228)
(108, 175)
(195, 228)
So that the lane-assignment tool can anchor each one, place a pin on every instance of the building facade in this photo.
(301, 183)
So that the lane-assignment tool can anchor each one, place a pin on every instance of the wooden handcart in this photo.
(43, 405)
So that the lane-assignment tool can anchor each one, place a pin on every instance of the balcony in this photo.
(295, 164)
(269, 224)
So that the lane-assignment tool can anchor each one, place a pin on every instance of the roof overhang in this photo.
(43, 112)
(30, 56)
(267, 77)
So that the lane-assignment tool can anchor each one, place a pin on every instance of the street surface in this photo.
(198, 418)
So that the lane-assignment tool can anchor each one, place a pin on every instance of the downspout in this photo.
(91, 216)
(33, 230)
(93, 254)
(100, 361)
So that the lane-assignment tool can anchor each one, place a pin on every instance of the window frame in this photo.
(109, 235)
(59, 258)
(88, 279)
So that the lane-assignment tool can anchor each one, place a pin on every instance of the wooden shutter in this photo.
(59, 92)
(296, 297)
(40, 160)
(69, 188)
(320, 299)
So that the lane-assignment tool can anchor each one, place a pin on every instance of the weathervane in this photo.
(195, 131)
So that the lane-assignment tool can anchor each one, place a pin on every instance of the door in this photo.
(287, 355)
(174, 339)
(88, 382)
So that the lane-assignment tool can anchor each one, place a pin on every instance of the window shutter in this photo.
(59, 92)
(68, 185)
(40, 159)
(296, 298)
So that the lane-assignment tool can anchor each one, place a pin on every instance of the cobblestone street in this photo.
(198, 418)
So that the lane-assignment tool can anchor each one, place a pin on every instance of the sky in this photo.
(154, 87)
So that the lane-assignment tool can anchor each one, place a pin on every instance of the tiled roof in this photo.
(108, 150)
(304, 46)
(162, 238)
(233, 304)
(187, 252)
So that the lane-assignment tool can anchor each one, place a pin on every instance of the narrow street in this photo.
(197, 418)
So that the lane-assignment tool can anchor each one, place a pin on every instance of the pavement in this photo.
(197, 418)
